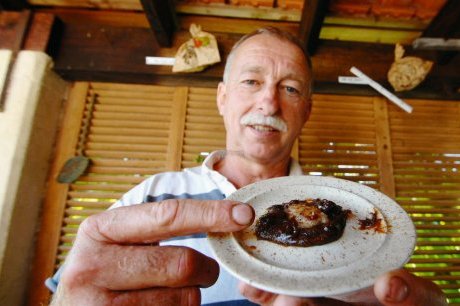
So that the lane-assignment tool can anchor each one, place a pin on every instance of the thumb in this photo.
(400, 288)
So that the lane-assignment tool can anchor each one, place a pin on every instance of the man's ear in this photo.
(221, 88)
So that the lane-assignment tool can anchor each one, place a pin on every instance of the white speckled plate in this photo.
(348, 264)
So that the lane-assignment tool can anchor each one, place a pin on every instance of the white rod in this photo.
(351, 80)
(155, 60)
(382, 90)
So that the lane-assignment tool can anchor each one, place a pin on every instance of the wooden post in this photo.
(313, 14)
(162, 19)
(177, 129)
(384, 152)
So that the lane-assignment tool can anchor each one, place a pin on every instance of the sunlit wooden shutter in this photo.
(426, 159)
(130, 133)
(204, 127)
(414, 158)
(339, 139)
(135, 131)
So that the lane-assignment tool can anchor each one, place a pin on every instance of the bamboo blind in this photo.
(140, 130)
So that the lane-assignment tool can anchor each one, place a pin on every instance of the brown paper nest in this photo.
(407, 72)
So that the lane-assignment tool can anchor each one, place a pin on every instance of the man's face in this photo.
(268, 78)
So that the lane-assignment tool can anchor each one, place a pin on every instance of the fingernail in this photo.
(397, 291)
(242, 214)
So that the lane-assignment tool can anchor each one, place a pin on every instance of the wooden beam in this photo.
(239, 11)
(445, 26)
(96, 51)
(428, 43)
(139, 20)
(26, 30)
(13, 5)
(43, 35)
(447, 23)
(117, 5)
(13, 29)
(104, 18)
(162, 19)
(313, 15)
(443, 33)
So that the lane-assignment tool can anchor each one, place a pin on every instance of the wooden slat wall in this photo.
(140, 130)
(340, 139)
(414, 159)
(204, 127)
(426, 159)
(132, 129)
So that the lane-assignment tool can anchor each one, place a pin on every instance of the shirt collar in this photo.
(207, 168)
(295, 168)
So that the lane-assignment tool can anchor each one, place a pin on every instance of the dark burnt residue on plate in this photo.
(373, 223)
(302, 223)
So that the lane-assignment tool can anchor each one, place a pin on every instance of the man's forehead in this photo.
(257, 64)
(271, 45)
(264, 40)
(259, 68)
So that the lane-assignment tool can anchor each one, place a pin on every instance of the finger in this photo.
(399, 287)
(363, 296)
(256, 295)
(95, 297)
(163, 296)
(265, 298)
(151, 222)
(140, 267)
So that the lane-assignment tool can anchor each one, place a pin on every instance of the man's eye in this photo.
(250, 82)
(291, 90)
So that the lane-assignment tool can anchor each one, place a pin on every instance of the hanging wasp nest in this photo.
(407, 72)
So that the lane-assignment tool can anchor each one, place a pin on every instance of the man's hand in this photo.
(116, 259)
(399, 287)
(395, 288)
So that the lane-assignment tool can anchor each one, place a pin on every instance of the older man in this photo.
(117, 258)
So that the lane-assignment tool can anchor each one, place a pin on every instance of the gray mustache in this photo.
(259, 119)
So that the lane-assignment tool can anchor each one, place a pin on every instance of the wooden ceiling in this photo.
(108, 40)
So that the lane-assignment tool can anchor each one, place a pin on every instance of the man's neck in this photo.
(241, 171)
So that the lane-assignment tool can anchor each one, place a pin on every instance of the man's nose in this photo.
(269, 102)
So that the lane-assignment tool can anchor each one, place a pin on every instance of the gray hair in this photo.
(278, 33)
